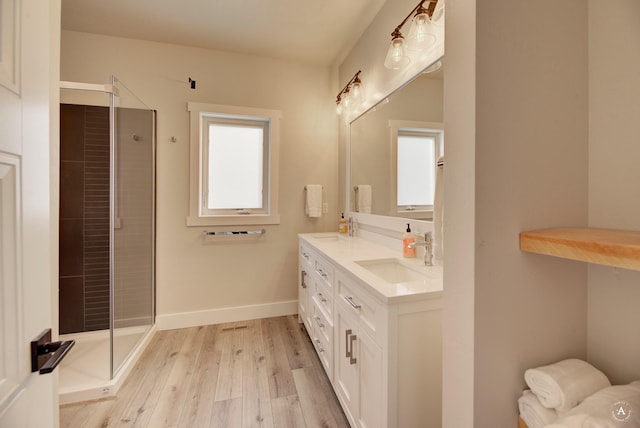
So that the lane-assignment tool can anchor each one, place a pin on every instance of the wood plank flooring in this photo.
(258, 373)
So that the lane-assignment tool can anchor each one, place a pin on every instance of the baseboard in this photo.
(223, 315)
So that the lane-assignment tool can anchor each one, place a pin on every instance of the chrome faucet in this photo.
(428, 248)
(352, 226)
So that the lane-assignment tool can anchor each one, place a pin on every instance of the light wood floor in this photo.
(260, 373)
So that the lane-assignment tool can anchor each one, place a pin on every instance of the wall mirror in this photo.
(394, 147)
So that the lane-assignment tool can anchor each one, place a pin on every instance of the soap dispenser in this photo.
(342, 224)
(407, 239)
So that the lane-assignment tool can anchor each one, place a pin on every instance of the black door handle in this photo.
(46, 355)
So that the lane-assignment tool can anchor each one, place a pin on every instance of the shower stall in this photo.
(107, 235)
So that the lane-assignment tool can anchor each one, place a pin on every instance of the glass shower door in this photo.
(132, 222)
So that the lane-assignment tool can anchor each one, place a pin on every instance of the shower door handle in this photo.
(46, 355)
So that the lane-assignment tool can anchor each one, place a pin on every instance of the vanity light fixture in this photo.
(420, 36)
(352, 95)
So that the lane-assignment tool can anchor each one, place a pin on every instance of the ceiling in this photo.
(319, 32)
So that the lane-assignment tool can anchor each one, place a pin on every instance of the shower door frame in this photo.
(114, 207)
(112, 90)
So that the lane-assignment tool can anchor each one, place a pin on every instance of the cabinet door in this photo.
(369, 382)
(346, 381)
(304, 297)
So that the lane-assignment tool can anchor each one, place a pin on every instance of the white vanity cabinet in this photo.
(315, 303)
(385, 350)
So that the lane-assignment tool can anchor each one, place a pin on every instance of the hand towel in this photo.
(533, 413)
(612, 407)
(565, 384)
(364, 198)
(313, 201)
(438, 211)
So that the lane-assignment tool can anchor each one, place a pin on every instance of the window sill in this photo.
(236, 220)
(416, 214)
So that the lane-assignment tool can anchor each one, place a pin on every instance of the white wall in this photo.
(531, 172)
(458, 312)
(614, 200)
(194, 274)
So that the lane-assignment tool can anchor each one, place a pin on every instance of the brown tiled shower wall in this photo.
(84, 218)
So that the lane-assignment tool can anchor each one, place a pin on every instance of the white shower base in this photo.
(84, 372)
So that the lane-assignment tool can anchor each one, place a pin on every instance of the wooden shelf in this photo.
(609, 247)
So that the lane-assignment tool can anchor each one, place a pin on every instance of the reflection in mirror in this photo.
(388, 176)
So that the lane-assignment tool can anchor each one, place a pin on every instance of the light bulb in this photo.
(357, 93)
(346, 99)
(438, 14)
(420, 34)
(396, 55)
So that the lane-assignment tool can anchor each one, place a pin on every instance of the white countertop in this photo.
(346, 251)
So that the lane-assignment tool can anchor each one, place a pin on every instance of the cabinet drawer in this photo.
(323, 345)
(325, 271)
(306, 254)
(323, 297)
(322, 324)
(369, 311)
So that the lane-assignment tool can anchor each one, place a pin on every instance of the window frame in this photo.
(201, 115)
(397, 127)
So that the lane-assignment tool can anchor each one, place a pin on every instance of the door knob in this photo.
(45, 354)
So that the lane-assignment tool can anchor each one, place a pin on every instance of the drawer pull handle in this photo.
(350, 338)
(352, 303)
(352, 359)
(320, 349)
(322, 299)
(305, 255)
(347, 333)
(322, 274)
(303, 279)
(318, 320)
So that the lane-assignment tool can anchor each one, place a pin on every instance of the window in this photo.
(234, 164)
(416, 149)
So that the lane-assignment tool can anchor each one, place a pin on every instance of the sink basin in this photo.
(327, 238)
(395, 271)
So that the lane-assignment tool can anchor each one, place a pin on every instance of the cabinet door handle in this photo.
(303, 279)
(352, 303)
(352, 359)
(347, 333)
(319, 321)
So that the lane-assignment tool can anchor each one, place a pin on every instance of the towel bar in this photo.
(236, 232)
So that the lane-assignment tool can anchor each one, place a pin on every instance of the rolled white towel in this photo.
(565, 384)
(533, 413)
(612, 407)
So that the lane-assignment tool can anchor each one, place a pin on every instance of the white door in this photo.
(346, 359)
(29, 63)
(370, 386)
